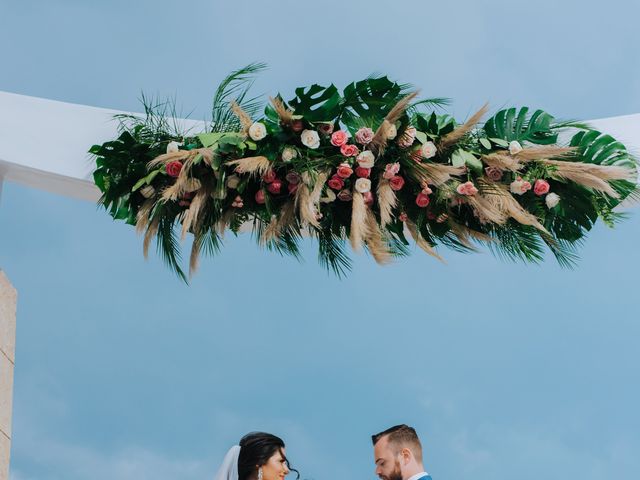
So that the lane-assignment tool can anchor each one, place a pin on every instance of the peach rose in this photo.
(339, 138)
(349, 150)
(541, 187)
(344, 170)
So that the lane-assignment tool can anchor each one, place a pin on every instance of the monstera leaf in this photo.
(516, 125)
(317, 103)
(367, 102)
(595, 147)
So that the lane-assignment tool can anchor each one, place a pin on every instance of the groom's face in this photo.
(387, 464)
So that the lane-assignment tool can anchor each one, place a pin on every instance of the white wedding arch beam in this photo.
(44, 143)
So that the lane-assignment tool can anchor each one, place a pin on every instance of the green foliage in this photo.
(512, 124)
(128, 186)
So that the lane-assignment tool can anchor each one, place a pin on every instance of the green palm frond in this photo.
(168, 246)
(514, 244)
(236, 87)
(331, 253)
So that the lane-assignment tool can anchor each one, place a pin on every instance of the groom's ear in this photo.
(407, 454)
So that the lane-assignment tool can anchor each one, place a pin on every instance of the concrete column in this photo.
(8, 297)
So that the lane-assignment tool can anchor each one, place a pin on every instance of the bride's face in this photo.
(276, 467)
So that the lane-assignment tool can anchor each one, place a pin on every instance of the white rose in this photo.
(392, 132)
(515, 147)
(310, 138)
(257, 131)
(172, 147)
(363, 185)
(552, 199)
(519, 186)
(330, 197)
(233, 181)
(289, 154)
(366, 159)
(428, 150)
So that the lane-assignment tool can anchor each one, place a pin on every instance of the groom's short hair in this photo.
(399, 437)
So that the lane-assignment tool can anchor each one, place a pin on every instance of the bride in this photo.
(260, 456)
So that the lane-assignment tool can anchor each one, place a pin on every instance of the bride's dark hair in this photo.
(256, 449)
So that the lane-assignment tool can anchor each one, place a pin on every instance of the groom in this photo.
(398, 454)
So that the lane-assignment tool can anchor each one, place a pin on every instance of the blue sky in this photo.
(506, 370)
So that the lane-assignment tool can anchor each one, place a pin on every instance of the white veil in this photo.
(229, 468)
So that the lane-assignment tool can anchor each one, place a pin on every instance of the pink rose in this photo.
(541, 187)
(336, 183)
(390, 170)
(494, 173)
(293, 187)
(297, 126)
(325, 128)
(422, 200)
(364, 136)
(467, 188)
(237, 202)
(396, 183)
(339, 138)
(344, 195)
(362, 172)
(416, 155)
(403, 217)
(344, 171)
(275, 186)
(293, 177)
(173, 168)
(269, 177)
(368, 198)
(260, 197)
(349, 150)
(407, 138)
(425, 187)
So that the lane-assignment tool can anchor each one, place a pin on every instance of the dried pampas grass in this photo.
(251, 165)
(387, 201)
(359, 226)
(381, 137)
(459, 132)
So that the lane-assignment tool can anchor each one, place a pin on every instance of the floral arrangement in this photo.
(371, 166)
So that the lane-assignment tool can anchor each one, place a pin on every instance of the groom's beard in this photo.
(395, 474)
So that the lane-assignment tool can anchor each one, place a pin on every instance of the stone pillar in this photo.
(8, 297)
